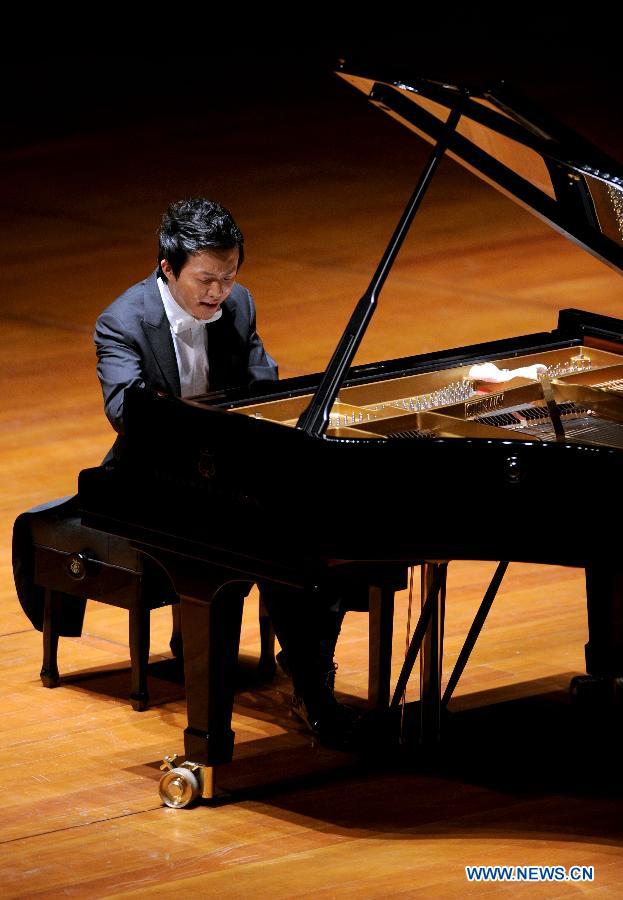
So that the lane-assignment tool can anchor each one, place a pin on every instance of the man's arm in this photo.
(119, 365)
(261, 366)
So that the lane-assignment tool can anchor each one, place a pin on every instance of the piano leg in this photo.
(211, 636)
(381, 623)
(139, 655)
(604, 651)
(266, 664)
(49, 670)
(604, 600)
(431, 655)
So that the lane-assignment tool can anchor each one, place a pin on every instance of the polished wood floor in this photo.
(317, 189)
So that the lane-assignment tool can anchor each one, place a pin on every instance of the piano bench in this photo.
(59, 563)
(57, 604)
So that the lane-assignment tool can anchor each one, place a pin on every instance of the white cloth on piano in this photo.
(489, 372)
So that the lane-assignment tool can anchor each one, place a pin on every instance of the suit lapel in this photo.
(158, 333)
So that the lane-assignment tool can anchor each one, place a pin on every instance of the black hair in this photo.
(190, 226)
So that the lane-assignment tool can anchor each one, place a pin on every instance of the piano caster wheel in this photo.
(179, 787)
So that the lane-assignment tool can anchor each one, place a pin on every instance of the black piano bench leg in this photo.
(266, 666)
(139, 656)
(49, 670)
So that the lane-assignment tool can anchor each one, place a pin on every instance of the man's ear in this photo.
(166, 269)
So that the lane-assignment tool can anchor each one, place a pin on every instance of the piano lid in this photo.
(508, 142)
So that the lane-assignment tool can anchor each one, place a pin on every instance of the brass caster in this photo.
(182, 784)
(179, 787)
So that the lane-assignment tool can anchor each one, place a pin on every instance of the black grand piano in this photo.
(228, 488)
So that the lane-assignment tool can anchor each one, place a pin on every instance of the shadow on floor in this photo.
(531, 767)
(165, 679)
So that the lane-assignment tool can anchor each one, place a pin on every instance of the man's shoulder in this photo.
(239, 299)
(239, 292)
(131, 304)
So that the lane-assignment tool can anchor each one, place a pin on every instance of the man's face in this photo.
(204, 282)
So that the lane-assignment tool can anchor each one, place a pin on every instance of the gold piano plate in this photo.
(447, 403)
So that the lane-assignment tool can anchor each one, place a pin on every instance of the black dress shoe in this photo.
(334, 724)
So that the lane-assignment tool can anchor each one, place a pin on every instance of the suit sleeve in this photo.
(261, 366)
(118, 365)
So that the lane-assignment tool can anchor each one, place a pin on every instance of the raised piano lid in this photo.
(547, 168)
(505, 140)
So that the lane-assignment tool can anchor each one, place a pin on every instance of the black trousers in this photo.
(307, 624)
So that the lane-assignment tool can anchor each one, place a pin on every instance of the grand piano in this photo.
(223, 489)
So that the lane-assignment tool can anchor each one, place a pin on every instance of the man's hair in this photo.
(190, 226)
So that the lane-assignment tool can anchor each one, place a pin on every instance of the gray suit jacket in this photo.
(135, 347)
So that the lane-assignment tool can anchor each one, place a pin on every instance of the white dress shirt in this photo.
(190, 341)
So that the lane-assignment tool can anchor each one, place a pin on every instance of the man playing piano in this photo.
(189, 327)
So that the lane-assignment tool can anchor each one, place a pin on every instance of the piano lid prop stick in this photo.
(474, 631)
(403, 699)
(315, 418)
(552, 408)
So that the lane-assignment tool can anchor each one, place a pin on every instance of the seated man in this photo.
(157, 332)
(187, 328)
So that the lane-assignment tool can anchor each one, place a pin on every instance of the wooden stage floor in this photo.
(317, 189)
